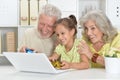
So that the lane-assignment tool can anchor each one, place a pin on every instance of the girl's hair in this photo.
(102, 22)
(69, 23)
(51, 10)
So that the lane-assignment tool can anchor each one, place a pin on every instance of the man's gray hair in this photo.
(51, 10)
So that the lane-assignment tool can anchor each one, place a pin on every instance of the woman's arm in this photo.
(83, 48)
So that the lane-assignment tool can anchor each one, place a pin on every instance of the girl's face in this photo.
(93, 32)
(64, 35)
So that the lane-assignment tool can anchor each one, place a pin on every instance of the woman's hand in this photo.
(83, 48)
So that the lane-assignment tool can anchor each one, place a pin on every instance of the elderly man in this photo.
(41, 38)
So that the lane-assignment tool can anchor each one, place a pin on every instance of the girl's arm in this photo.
(84, 64)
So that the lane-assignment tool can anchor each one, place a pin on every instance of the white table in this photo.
(9, 73)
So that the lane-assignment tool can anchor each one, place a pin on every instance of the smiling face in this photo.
(64, 35)
(45, 25)
(93, 32)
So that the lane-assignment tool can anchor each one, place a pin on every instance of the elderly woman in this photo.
(99, 36)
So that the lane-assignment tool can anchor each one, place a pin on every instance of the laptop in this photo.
(31, 62)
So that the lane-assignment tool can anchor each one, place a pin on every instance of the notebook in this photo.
(31, 62)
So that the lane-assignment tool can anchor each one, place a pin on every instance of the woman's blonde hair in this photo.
(102, 22)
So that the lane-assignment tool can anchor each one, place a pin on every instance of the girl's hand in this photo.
(52, 58)
(65, 65)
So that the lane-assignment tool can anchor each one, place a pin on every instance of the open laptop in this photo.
(31, 62)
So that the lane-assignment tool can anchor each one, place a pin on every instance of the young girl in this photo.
(66, 50)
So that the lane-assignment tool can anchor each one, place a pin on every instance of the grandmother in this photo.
(99, 36)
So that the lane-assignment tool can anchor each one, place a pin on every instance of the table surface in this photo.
(10, 73)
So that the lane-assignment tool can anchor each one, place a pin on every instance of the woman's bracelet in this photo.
(94, 57)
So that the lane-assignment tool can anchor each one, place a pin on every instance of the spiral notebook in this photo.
(31, 62)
